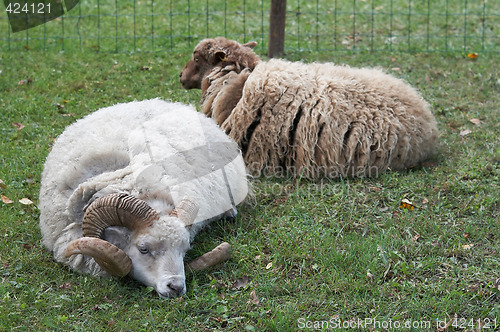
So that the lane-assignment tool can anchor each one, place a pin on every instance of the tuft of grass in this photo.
(303, 252)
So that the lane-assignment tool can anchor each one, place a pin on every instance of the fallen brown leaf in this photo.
(6, 200)
(406, 204)
(465, 132)
(23, 82)
(66, 285)
(253, 298)
(18, 125)
(477, 122)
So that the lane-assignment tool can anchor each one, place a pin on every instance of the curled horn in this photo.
(111, 210)
(186, 211)
(117, 210)
(112, 259)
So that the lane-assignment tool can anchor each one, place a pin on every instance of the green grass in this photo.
(311, 251)
(395, 25)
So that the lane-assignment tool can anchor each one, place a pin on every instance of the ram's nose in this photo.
(176, 287)
(172, 287)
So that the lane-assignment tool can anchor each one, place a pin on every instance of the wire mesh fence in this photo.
(311, 25)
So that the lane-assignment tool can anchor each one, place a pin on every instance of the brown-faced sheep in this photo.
(312, 120)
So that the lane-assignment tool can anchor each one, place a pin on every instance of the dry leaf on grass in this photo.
(25, 82)
(477, 122)
(465, 132)
(25, 201)
(253, 298)
(406, 204)
(6, 200)
(18, 125)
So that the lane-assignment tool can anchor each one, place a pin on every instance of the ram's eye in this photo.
(143, 250)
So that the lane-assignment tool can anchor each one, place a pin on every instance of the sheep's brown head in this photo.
(125, 236)
(217, 52)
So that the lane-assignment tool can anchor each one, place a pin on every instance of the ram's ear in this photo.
(219, 56)
(250, 45)
(119, 236)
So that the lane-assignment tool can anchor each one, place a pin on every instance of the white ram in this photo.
(125, 189)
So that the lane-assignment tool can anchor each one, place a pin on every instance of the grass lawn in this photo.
(305, 255)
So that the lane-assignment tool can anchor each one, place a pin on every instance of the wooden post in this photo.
(277, 18)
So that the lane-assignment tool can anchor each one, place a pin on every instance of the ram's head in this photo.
(217, 52)
(125, 236)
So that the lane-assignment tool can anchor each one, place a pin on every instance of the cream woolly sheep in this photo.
(312, 120)
(130, 185)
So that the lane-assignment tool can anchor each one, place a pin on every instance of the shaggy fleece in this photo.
(320, 120)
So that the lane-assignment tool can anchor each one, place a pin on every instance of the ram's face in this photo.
(157, 256)
(125, 236)
(195, 70)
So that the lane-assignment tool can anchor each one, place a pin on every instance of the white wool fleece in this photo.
(154, 150)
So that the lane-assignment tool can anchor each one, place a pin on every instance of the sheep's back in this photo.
(327, 120)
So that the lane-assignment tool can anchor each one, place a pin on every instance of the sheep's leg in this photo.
(218, 255)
